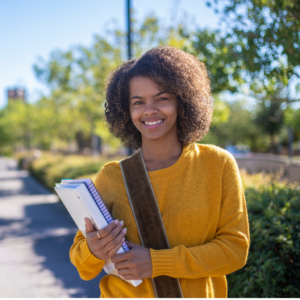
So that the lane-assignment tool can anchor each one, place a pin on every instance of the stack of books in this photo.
(82, 200)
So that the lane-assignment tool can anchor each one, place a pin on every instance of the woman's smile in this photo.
(153, 124)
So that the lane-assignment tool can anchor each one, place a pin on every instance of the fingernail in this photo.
(123, 239)
(124, 230)
(116, 221)
(122, 222)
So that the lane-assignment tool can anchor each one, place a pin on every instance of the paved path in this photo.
(36, 233)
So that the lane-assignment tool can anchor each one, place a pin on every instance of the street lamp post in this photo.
(129, 53)
(290, 129)
(129, 29)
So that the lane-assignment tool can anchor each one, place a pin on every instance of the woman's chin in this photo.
(153, 137)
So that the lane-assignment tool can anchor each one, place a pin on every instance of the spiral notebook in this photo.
(82, 200)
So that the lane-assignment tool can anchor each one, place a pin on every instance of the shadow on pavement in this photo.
(55, 248)
(52, 231)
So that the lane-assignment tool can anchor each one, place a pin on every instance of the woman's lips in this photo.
(153, 124)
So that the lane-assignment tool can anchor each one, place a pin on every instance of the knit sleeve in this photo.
(228, 251)
(87, 264)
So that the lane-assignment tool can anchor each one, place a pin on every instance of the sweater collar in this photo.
(177, 167)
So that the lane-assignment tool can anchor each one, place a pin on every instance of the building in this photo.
(16, 94)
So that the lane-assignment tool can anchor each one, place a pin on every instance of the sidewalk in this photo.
(36, 233)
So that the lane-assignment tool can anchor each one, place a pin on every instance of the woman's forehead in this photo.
(143, 85)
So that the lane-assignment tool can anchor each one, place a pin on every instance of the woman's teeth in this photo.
(153, 123)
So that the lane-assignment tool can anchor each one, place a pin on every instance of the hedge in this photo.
(273, 266)
(50, 169)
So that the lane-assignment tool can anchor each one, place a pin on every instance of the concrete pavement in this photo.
(36, 233)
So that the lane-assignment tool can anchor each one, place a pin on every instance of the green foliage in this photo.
(292, 118)
(222, 58)
(50, 169)
(269, 118)
(221, 112)
(273, 266)
(270, 42)
(76, 79)
(239, 128)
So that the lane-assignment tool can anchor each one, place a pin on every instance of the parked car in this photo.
(239, 150)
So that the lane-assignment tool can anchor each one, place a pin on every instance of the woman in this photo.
(162, 104)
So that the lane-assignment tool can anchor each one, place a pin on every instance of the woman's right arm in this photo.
(88, 265)
(88, 254)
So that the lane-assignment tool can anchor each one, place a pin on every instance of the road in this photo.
(36, 233)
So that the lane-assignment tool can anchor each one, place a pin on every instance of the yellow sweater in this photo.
(202, 203)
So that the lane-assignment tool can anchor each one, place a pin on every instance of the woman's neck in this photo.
(160, 154)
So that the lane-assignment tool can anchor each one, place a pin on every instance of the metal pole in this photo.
(290, 130)
(129, 28)
(291, 138)
(130, 151)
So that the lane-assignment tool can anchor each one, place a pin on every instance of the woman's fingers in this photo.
(114, 243)
(108, 234)
(114, 250)
(114, 233)
(121, 265)
(104, 232)
(124, 272)
(110, 229)
(110, 240)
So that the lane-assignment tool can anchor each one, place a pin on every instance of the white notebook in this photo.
(82, 200)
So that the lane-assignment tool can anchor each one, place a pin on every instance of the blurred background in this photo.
(55, 58)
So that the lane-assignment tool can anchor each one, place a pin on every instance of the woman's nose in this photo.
(150, 109)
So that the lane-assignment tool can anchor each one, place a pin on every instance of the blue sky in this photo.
(32, 28)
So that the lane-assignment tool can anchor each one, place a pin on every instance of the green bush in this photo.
(273, 266)
(50, 169)
(6, 151)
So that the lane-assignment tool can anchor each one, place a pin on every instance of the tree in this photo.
(292, 119)
(76, 79)
(269, 118)
(17, 121)
(221, 56)
(270, 40)
(239, 128)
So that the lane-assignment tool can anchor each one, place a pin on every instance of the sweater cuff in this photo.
(87, 255)
(162, 262)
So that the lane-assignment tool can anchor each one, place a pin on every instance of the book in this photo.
(82, 200)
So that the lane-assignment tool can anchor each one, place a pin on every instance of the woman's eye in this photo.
(162, 99)
(137, 103)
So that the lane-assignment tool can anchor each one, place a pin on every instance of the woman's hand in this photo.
(134, 264)
(112, 238)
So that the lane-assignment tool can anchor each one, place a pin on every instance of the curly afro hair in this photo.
(177, 72)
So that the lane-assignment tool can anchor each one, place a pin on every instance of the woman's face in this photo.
(153, 110)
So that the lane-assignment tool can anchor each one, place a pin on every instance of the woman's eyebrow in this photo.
(159, 93)
(136, 97)
(139, 97)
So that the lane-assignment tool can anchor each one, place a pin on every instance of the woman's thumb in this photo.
(88, 225)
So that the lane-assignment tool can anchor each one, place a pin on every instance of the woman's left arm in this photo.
(228, 251)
